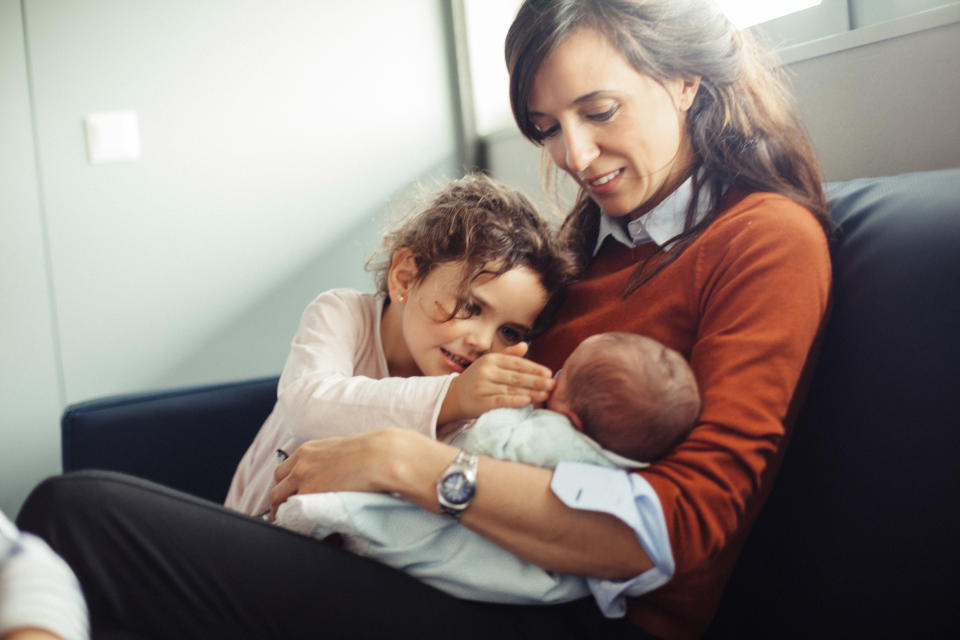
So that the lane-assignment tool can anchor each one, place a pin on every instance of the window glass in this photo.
(745, 13)
(825, 19)
(487, 24)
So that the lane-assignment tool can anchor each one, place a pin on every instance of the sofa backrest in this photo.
(859, 535)
(188, 438)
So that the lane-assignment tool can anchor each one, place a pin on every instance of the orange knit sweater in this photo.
(744, 303)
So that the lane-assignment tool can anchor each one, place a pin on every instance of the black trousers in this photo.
(158, 563)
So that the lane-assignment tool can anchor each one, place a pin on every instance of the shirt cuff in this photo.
(630, 497)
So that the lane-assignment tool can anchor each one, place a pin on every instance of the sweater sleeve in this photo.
(761, 295)
(333, 384)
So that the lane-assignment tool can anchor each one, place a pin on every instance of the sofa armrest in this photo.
(189, 439)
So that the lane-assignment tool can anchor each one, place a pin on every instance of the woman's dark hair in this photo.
(487, 227)
(743, 130)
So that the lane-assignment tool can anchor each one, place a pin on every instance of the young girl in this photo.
(460, 293)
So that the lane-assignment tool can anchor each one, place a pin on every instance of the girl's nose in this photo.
(480, 338)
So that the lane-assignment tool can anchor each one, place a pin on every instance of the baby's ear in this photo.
(401, 275)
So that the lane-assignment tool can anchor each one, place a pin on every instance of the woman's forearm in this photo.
(515, 508)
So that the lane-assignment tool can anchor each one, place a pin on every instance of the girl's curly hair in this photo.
(489, 228)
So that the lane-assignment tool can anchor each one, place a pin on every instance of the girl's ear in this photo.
(402, 275)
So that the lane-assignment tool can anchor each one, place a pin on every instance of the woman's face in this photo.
(619, 133)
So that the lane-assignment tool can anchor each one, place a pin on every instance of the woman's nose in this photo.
(580, 149)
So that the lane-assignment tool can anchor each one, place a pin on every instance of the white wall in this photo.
(29, 394)
(877, 101)
(273, 134)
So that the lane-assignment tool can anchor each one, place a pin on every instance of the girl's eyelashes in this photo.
(511, 335)
(468, 310)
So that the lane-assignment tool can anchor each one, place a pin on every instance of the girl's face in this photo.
(619, 133)
(499, 313)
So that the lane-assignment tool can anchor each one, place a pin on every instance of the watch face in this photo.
(456, 488)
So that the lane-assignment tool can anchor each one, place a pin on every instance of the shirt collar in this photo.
(659, 224)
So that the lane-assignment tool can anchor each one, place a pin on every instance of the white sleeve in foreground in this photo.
(37, 588)
(628, 497)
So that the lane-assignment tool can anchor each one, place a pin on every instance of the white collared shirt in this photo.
(659, 225)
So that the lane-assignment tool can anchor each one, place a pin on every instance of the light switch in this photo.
(112, 136)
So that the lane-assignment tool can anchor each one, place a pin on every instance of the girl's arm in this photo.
(514, 505)
(335, 380)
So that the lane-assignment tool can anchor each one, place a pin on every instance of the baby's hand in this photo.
(496, 380)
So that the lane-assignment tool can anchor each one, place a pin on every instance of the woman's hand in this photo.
(367, 462)
(514, 506)
(496, 380)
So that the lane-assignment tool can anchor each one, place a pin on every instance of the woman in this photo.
(701, 224)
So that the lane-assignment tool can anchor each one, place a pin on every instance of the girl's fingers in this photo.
(505, 360)
(513, 380)
(495, 393)
(512, 401)
(519, 349)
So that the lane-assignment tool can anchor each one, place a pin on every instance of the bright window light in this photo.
(745, 13)
(487, 25)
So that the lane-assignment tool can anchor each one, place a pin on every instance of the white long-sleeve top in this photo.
(37, 588)
(335, 382)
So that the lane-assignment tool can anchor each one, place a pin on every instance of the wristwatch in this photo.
(458, 484)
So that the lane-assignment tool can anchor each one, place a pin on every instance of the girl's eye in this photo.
(603, 116)
(469, 310)
(511, 335)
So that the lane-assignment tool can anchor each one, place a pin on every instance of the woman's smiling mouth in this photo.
(602, 180)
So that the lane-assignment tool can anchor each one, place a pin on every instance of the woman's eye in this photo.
(604, 115)
(545, 132)
(511, 335)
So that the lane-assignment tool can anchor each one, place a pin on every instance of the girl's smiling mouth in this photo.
(460, 362)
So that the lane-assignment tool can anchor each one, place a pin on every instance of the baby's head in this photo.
(633, 395)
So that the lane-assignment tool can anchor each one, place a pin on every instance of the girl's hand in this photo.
(496, 380)
(31, 634)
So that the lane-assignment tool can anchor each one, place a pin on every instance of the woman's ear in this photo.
(401, 276)
(688, 91)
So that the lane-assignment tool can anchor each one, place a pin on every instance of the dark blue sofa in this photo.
(859, 536)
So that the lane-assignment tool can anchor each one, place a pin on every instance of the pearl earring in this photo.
(400, 299)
